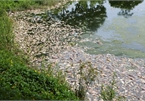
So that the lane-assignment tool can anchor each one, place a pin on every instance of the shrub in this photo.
(17, 80)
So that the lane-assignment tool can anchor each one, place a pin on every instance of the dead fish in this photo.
(99, 42)
(54, 57)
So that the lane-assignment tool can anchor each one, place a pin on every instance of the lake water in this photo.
(115, 27)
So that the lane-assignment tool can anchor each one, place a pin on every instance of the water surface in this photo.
(118, 25)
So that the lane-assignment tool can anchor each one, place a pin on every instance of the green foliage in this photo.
(47, 2)
(25, 4)
(17, 80)
(31, 84)
(87, 76)
(6, 36)
(108, 92)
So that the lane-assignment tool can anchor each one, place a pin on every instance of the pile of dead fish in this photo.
(46, 40)
(41, 37)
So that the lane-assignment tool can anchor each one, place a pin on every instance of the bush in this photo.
(30, 84)
(12, 5)
(6, 36)
(17, 80)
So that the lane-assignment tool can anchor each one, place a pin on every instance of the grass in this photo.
(108, 92)
(6, 38)
(88, 74)
(13, 5)
(18, 81)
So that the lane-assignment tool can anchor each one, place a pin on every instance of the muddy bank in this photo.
(48, 41)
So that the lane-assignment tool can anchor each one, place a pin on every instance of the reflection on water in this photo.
(82, 14)
(118, 25)
(125, 6)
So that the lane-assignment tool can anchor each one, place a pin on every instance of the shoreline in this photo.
(32, 38)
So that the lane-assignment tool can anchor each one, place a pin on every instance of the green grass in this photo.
(108, 92)
(17, 80)
(26, 4)
(6, 36)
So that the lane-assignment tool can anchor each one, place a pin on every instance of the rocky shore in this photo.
(48, 41)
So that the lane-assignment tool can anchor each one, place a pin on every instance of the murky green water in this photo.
(118, 25)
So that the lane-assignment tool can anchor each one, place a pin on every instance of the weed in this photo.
(87, 76)
(108, 92)
(17, 80)
(28, 83)
(13, 5)
(6, 36)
